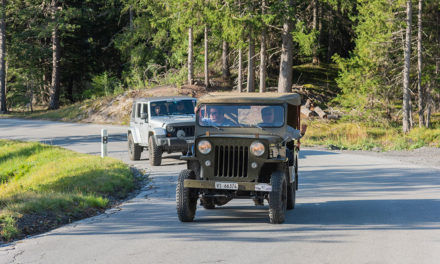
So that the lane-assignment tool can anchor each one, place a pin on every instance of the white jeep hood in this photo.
(162, 121)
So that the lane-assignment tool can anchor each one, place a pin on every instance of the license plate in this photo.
(226, 185)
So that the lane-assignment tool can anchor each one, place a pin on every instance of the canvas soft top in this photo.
(243, 98)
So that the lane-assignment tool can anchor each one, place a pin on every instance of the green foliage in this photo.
(37, 178)
(305, 40)
(103, 85)
(370, 77)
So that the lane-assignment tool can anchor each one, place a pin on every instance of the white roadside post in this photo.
(104, 140)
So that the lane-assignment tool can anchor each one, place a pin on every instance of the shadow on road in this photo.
(350, 200)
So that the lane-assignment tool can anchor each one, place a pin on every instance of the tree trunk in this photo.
(407, 55)
(315, 28)
(206, 58)
(263, 63)
(55, 87)
(428, 107)
(330, 35)
(3, 108)
(190, 57)
(286, 61)
(251, 72)
(226, 74)
(421, 92)
(240, 70)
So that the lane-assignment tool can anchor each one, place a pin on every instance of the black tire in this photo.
(278, 198)
(291, 195)
(208, 203)
(134, 150)
(296, 172)
(155, 152)
(186, 198)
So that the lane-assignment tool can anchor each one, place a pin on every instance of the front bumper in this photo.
(242, 186)
(174, 143)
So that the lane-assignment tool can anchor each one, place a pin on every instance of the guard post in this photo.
(104, 141)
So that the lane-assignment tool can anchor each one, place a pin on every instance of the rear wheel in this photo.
(291, 195)
(134, 150)
(296, 172)
(186, 198)
(155, 152)
(278, 198)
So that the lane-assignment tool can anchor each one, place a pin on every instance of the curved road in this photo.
(350, 209)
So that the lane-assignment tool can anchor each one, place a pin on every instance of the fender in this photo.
(136, 135)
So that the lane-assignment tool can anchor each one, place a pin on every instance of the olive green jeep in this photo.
(242, 150)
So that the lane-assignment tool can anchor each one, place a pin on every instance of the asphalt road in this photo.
(350, 209)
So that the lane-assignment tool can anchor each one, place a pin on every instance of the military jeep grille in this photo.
(231, 161)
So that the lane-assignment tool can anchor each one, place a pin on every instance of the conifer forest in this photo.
(386, 52)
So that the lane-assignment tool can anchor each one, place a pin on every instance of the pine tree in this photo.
(3, 108)
(406, 126)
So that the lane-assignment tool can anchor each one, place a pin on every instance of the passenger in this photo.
(180, 108)
(271, 118)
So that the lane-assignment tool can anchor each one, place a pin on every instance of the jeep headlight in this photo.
(257, 148)
(170, 129)
(204, 146)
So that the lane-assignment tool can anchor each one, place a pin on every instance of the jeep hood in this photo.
(162, 121)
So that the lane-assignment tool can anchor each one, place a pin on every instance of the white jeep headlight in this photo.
(204, 146)
(170, 129)
(257, 148)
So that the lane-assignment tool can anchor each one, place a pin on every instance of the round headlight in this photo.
(170, 129)
(257, 148)
(204, 146)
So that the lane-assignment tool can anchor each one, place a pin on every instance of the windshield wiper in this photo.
(218, 128)
(256, 125)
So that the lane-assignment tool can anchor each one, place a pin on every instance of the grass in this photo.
(73, 112)
(45, 183)
(361, 136)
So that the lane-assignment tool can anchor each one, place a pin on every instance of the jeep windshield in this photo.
(172, 107)
(251, 115)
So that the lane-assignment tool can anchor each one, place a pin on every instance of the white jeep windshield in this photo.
(241, 115)
(172, 107)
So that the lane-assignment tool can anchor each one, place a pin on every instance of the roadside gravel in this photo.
(425, 156)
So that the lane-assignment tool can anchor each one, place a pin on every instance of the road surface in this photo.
(350, 209)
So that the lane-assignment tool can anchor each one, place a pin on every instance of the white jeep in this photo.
(161, 124)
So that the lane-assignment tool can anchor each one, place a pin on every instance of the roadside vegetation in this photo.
(353, 129)
(356, 135)
(42, 187)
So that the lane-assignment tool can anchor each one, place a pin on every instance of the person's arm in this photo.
(295, 133)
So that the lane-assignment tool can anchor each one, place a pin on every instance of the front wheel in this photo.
(155, 152)
(278, 198)
(134, 150)
(186, 198)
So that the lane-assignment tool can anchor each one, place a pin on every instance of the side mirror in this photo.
(144, 116)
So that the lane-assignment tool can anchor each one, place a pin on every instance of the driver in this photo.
(157, 110)
(217, 117)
